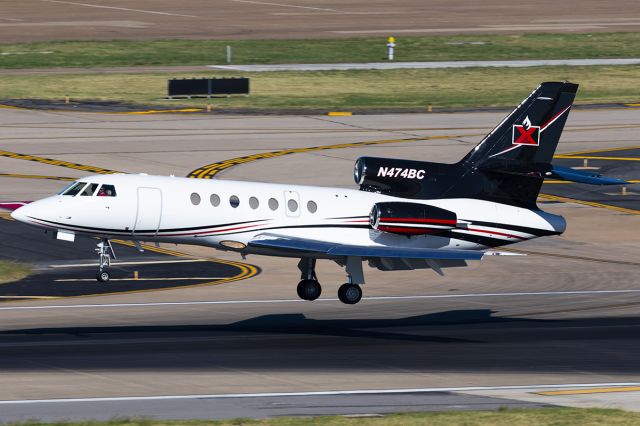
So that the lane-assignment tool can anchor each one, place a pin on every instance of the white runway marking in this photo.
(492, 28)
(319, 393)
(99, 6)
(64, 280)
(427, 65)
(283, 5)
(266, 301)
(143, 262)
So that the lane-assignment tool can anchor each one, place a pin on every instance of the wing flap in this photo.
(273, 241)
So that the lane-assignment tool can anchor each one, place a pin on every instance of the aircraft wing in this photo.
(304, 246)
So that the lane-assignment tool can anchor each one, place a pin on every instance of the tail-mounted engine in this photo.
(390, 176)
(411, 218)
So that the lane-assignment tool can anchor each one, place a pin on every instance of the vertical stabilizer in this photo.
(515, 156)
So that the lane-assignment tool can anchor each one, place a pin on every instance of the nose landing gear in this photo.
(105, 251)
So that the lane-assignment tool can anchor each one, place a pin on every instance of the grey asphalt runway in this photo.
(260, 406)
(44, 20)
(565, 314)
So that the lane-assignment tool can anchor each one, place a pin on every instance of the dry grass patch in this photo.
(12, 271)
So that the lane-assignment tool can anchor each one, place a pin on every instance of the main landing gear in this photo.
(309, 288)
(105, 251)
(350, 293)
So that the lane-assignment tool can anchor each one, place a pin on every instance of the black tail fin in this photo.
(531, 132)
(515, 156)
(508, 166)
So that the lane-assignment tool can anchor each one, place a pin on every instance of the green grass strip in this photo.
(426, 48)
(342, 90)
(508, 417)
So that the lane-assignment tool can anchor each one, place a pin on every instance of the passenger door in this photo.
(149, 211)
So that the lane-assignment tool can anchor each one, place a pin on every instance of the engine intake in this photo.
(411, 218)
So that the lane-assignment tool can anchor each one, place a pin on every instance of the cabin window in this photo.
(312, 207)
(292, 205)
(234, 201)
(107, 191)
(215, 200)
(195, 198)
(75, 189)
(254, 203)
(273, 204)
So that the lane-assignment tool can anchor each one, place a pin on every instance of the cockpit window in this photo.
(107, 191)
(74, 189)
(63, 190)
(90, 189)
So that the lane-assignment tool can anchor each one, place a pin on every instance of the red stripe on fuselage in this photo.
(419, 220)
(403, 230)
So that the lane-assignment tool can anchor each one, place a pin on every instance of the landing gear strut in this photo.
(350, 293)
(105, 251)
(309, 288)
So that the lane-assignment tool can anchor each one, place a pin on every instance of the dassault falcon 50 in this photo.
(406, 214)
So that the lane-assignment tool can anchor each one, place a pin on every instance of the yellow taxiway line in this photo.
(210, 170)
(587, 203)
(595, 151)
(54, 162)
(590, 391)
(593, 157)
(19, 176)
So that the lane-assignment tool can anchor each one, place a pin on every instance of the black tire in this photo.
(309, 289)
(350, 293)
(103, 276)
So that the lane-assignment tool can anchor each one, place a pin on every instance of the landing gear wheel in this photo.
(309, 289)
(103, 276)
(350, 293)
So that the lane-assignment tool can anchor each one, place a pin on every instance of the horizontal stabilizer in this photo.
(582, 176)
(301, 245)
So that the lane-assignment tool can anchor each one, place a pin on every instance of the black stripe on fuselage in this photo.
(129, 231)
(478, 239)
(533, 231)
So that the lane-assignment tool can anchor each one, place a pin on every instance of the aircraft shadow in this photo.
(461, 340)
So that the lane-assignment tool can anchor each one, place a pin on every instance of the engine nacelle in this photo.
(411, 218)
(386, 175)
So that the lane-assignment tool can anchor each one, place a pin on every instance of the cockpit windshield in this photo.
(90, 189)
(74, 189)
(85, 189)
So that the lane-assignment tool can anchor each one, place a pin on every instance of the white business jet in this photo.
(405, 215)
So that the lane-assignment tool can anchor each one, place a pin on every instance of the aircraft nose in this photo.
(20, 214)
